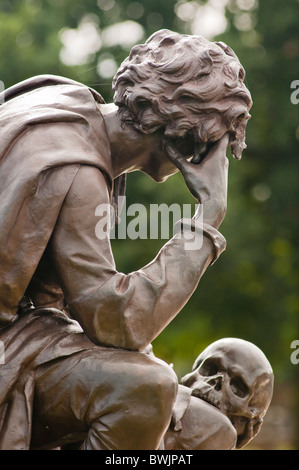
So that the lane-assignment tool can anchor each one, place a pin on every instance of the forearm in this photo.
(129, 311)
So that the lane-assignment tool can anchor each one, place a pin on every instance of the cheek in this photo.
(160, 167)
(168, 168)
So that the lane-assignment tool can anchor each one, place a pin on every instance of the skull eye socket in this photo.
(208, 368)
(238, 387)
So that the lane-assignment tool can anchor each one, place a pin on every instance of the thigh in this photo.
(72, 391)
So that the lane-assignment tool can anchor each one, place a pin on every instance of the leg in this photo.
(107, 398)
(202, 427)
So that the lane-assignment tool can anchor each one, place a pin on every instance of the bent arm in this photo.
(116, 309)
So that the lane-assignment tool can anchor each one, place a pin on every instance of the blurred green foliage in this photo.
(252, 290)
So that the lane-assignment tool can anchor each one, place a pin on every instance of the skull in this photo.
(235, 376)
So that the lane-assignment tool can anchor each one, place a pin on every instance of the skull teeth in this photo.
(205, 396)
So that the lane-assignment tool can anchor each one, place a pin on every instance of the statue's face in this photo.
(193, 133)
(160, 167)
(234, 376)
(195, 130)
(190, 143)
(189, 88)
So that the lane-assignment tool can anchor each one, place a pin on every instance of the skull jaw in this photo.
(244, 425)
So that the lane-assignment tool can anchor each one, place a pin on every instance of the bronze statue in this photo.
(75, 330)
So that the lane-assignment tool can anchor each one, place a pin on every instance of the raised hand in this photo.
(207, 180)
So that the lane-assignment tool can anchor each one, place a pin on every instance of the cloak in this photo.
(49, 126)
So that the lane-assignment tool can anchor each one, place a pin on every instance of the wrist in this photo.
(211, 212)
(217, 239)
(201, 229)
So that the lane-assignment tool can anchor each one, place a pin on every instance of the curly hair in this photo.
(176, 81)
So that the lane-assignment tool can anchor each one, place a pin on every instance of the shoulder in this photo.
(89, 185)
(40, 81)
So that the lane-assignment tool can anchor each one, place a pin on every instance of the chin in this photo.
(160, 177)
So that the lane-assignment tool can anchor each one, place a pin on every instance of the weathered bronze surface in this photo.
(76, 332)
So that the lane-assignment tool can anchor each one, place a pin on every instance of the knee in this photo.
(132, 386)
(154, 387)
(162, 382)
(134, 392)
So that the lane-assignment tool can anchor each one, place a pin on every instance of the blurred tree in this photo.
(252, 291)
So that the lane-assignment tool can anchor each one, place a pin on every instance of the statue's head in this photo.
(187, 87)
(235, 376)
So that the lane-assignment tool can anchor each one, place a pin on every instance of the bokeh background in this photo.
(252, 290)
